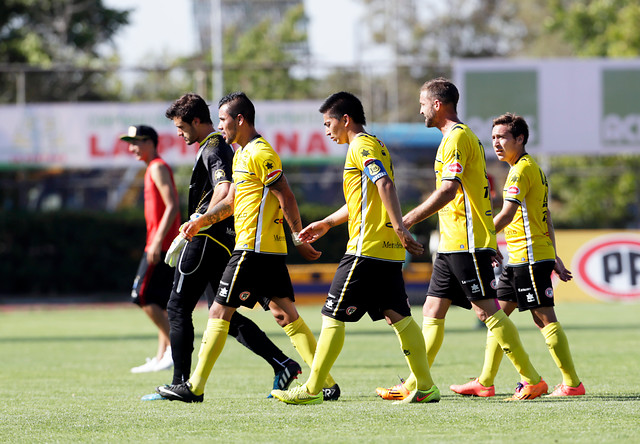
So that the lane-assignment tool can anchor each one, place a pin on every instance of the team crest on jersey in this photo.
(455, 167)
(364, 153)
(513, 190)
(549, 292)
(351, 310)
(244, 295)
(373, 168)
(219, 174)
(268, 164)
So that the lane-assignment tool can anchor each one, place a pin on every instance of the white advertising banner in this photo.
(87, 135)
(572, 106)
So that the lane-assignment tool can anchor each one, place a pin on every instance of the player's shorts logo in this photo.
(351, 310)
(494, 284)
(549, 292)
(244, 295)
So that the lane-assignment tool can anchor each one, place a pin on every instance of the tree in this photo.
(261, 59)
(598, 28)
(57, 42)
(595, 192)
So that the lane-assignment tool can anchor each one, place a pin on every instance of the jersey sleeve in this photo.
(517, 186)
(454, 156)
(266, 164)
(218, 164)
(367, 158)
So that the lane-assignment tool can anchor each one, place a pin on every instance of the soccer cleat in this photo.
(180, 392)
(529, 391)
(153, 397)
(474, 388)
(567, 390)
(283, 379)
(431, 395)
(395, 393)
(297, 395)
(331, 393)
(147, 367)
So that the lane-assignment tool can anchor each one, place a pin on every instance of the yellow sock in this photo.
(304, 342)
(492, 359)
(558, 345)
(329, 347)
(433, 333)
(414, 350)
(508, 337)
(213, 342)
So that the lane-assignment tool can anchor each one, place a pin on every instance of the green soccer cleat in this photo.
(431, 395)
(297, 395)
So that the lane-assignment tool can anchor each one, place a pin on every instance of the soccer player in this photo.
(152, 284)
(525, 282)
(260, 201)
(369, 276)
(199, 265)
(462, 271)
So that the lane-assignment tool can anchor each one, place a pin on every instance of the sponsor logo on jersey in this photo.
(455, 167)
(386, 244)
(608, 267)
(273, 174)
(513, 190)
(244, 295)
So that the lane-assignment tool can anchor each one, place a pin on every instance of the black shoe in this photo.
(332, 393)
(181, 392)
(283, 379)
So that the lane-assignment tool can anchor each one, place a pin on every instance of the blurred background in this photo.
(74, 74)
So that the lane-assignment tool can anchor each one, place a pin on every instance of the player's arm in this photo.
(506, 214)
(559, 268)
(162, 180)
(281, 190)
(436, 200)
(220, 207)
(389, 196)
(316, 230)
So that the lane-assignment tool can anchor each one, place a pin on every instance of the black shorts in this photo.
(199, 271)
(365, 285)
(463, 277)
(153, 283)
(254, 277)
(528, 285)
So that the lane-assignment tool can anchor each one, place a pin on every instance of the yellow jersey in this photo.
(370, 231)
(466, 223)
(257, 214)
(527, 235)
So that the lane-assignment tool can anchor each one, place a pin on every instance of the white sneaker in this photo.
(166, 362)
(147, 367)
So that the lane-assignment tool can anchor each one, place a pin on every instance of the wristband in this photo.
(296, 240)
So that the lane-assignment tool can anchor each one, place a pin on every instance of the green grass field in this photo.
(65, 378)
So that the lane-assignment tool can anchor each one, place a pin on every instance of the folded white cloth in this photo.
(173, 254)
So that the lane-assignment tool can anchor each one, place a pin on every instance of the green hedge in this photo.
(66, 253)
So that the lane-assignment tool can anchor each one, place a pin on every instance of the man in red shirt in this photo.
(154, 279)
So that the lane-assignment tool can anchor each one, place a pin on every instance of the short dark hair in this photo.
(341, 103)
(188, 107)
(442, 89)
(516, 124)
(239, 103)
